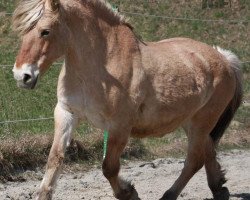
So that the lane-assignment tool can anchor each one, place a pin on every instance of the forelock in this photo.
(27, 14)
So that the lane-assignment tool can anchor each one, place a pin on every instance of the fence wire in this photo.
(169, 17)
(12, 65)
(9, 65)
(184, 18)
(26, 120)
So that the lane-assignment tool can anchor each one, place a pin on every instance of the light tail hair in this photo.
(236, 101)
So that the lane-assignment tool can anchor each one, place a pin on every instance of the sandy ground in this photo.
(151, 180)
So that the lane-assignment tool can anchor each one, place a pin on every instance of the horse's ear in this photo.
(53, 4)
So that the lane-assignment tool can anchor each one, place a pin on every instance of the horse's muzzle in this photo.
(27, 82)
(26, 76)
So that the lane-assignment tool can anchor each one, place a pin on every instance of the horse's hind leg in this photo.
(64, 125)
(111, 166)
(199, 150)
(215, 176)
(194, 162)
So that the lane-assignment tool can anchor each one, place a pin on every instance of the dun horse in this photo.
(127, 87)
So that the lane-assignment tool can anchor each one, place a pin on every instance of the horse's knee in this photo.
(196, 154)
(197, 165)
(110, 171)
(194, 165)
(55, 159)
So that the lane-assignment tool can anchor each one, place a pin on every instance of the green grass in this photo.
(19, 104)
(7, 5)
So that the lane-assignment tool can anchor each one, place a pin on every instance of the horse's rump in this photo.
(182, 75)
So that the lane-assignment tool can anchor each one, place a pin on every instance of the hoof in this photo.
(129, 193)
(169, 196)
(43, 195)
(222, 194)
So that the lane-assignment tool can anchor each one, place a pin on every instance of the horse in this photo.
(127, 87)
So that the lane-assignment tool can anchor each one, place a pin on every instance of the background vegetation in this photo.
(230, 31)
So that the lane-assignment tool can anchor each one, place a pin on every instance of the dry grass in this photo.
(27, 152)
(31, 151)
(236, 138)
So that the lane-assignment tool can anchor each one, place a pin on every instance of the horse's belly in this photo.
(158, 119)
(157, 125)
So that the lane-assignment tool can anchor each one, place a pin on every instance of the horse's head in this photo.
(44, 39)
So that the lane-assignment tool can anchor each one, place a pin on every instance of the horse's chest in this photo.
(94, 115)
(85, 108)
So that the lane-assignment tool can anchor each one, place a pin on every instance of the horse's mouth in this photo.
(30, 86)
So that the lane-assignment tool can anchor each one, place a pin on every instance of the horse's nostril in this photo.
(26, 78)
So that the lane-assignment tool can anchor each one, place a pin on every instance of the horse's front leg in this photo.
(65, 122)
(111, 166)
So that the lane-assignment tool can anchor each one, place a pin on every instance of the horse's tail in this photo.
(234, 104)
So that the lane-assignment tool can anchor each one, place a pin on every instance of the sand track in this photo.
(151, 180)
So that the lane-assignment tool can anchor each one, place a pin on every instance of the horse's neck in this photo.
(94, 48)
(99, 53)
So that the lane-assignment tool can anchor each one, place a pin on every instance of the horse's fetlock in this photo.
(216, 187)
(221, 194)
(128, 193)
(45, 193)
(222, 181)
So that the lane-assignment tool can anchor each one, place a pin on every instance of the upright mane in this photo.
(28, 13)
(107, 7)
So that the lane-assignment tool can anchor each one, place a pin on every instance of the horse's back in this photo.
(186, 66)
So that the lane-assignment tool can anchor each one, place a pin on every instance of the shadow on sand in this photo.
(243, 196)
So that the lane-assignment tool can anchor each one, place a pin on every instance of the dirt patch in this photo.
(31, 151)
(151, 180)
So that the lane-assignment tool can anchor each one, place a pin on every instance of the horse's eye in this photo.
(45, 33)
